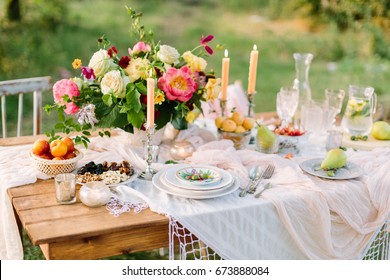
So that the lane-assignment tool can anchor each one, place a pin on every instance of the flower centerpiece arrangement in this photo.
(111, 90)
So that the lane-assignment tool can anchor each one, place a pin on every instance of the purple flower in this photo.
(88, 72)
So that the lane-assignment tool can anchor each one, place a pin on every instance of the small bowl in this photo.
(292, 143)
(240, 139)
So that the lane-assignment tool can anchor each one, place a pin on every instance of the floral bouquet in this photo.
(111, 91)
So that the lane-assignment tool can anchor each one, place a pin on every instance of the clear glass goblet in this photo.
(334, 99)
(286, 104)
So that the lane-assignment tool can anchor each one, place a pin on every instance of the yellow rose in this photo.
(138, 68)
(195, 63)
(192, 115)
(213, 88)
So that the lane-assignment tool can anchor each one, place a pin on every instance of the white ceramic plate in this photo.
(187, 175)
(132, 178)
(171, 178)
(161, 184)
(349, 171)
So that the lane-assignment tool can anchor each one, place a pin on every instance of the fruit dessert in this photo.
(108, 172)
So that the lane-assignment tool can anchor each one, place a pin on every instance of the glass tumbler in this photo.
(65, 185)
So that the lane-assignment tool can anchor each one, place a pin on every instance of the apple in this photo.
(40, 147)
(58, 148)
(69, 142)
(58, 158)
(45, 156)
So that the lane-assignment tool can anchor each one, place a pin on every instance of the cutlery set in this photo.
(256, 175)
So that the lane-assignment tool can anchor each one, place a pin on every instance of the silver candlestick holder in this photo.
(251, 103)
(149, 172)
(223, 106)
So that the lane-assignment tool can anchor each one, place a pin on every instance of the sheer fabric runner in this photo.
(300, 217)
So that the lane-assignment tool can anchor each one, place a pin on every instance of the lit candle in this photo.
(252, 70)
(225, 75)
(150, 103)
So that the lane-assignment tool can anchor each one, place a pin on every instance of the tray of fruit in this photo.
(59, 156)
(111, 173)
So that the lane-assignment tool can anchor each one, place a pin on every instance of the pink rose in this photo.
(178, 84)
(140, 47)
(69, 88)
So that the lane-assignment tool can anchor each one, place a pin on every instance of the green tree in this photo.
(13, 10)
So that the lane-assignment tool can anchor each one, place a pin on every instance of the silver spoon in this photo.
(258, 173)
(254, 173)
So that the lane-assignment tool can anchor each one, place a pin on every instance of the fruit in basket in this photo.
(381, 130)
(41, 147)
(69, 143)
(334, 159)
(58, 148)
(236, 123)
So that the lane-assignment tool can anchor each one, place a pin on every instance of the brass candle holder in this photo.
(223, 106)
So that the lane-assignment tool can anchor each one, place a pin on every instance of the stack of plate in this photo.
(195, 181)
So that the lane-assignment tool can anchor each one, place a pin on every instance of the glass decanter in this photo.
(301, 82)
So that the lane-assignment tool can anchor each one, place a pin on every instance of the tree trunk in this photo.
(13, 10)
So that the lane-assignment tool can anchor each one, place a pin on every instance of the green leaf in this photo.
(59, 126)
(85, 132)
(141, 87)
(133, 101)
(101, 134)
(107, 99)
(136, 118)
(107, 133)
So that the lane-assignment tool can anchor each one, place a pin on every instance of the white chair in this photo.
(20, 87)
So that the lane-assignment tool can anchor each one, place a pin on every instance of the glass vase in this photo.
(301, 83)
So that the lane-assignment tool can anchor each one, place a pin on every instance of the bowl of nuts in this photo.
(110, 173)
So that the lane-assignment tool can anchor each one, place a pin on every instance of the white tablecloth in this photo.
(301, 217)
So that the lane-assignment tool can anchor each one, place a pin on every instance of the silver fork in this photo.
(269, 171)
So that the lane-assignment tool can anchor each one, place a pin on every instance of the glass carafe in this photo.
(357, 119)
(301, 82)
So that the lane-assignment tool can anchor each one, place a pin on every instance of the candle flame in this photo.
(254, 47)
(226, 53)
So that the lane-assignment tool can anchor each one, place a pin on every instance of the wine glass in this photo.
(334, 100)
(286, 104)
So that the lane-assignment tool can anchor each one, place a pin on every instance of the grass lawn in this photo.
(28, 49)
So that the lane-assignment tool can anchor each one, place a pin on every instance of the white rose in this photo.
(138, 68)
(78, 81)
(113, 83)
(168, 55)
(100, 62)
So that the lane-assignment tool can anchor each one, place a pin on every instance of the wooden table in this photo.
(78, 232)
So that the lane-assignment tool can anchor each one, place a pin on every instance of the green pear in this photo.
(335, 158)
(265, 137)
(381, 130)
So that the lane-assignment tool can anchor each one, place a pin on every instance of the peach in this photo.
(240, 129)
(218, 121)
(58, 158)
(248, 123)
(40, 147)
(69, 155)
(229, 125)
(238, 118)
(45, 156)
(58, 148)
(69, 142)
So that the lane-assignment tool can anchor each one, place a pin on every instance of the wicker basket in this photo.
(54, 167)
